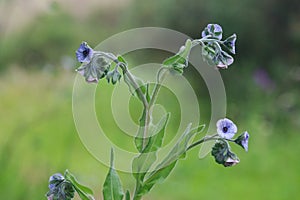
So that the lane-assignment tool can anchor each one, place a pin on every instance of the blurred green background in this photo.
(37, 62)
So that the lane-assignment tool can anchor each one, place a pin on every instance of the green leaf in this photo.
(180, 60)
(148, 98)
(179, 150)
(142, 163)
(139, 139)
(157, 177)
(166, 166)
(84, 192)
(112, 188)
(127, 195)
(157, 134)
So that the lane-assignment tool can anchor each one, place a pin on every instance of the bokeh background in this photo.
(38, 40)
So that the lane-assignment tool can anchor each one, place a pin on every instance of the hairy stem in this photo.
(206, 138)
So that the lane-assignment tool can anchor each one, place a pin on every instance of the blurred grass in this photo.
(38, 135)
(38, 138)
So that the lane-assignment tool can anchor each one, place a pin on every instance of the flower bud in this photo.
(223, 155)
(229, 43)
(60, 188)
(242, 140)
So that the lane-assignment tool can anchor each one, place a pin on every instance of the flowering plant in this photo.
(97, 65)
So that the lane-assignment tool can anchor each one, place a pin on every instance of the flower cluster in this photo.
(226, 130)
(60, 188)
(96, 65)
(212, 46)
(147, 172)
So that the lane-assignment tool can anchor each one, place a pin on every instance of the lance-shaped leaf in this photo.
(140, 140)
(127, 195)
(142, 163)
(179, 61)
(166, 166)
(112, 188)
(84, 192)
(179, 150)
(157, 177)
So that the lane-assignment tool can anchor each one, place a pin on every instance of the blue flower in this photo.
(213, 30)
(226, 128)
(242, 140)
(84, 53)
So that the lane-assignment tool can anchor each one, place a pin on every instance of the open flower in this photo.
(226, 128)
(84, 53)
(213, 30)
(231, 161)
(242, 140)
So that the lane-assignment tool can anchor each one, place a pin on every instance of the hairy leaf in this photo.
(84, 192)
(112, 188)
(180, 60)
(142, 163)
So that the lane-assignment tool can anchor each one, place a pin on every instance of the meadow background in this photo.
(38, 40)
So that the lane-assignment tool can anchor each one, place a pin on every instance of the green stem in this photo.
(135, 85)
(159, 79)
(127, 73)
(207, 138)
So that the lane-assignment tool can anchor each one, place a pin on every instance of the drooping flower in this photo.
(231, 161)
(226, 128)
(242, 140)
(213, 30)
(222, 60)
(222, 154)
(84, 53)
(95, 70)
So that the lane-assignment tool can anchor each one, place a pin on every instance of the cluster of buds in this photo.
(226, 130)
(214, 50)
(60, 188)
(96, 64)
